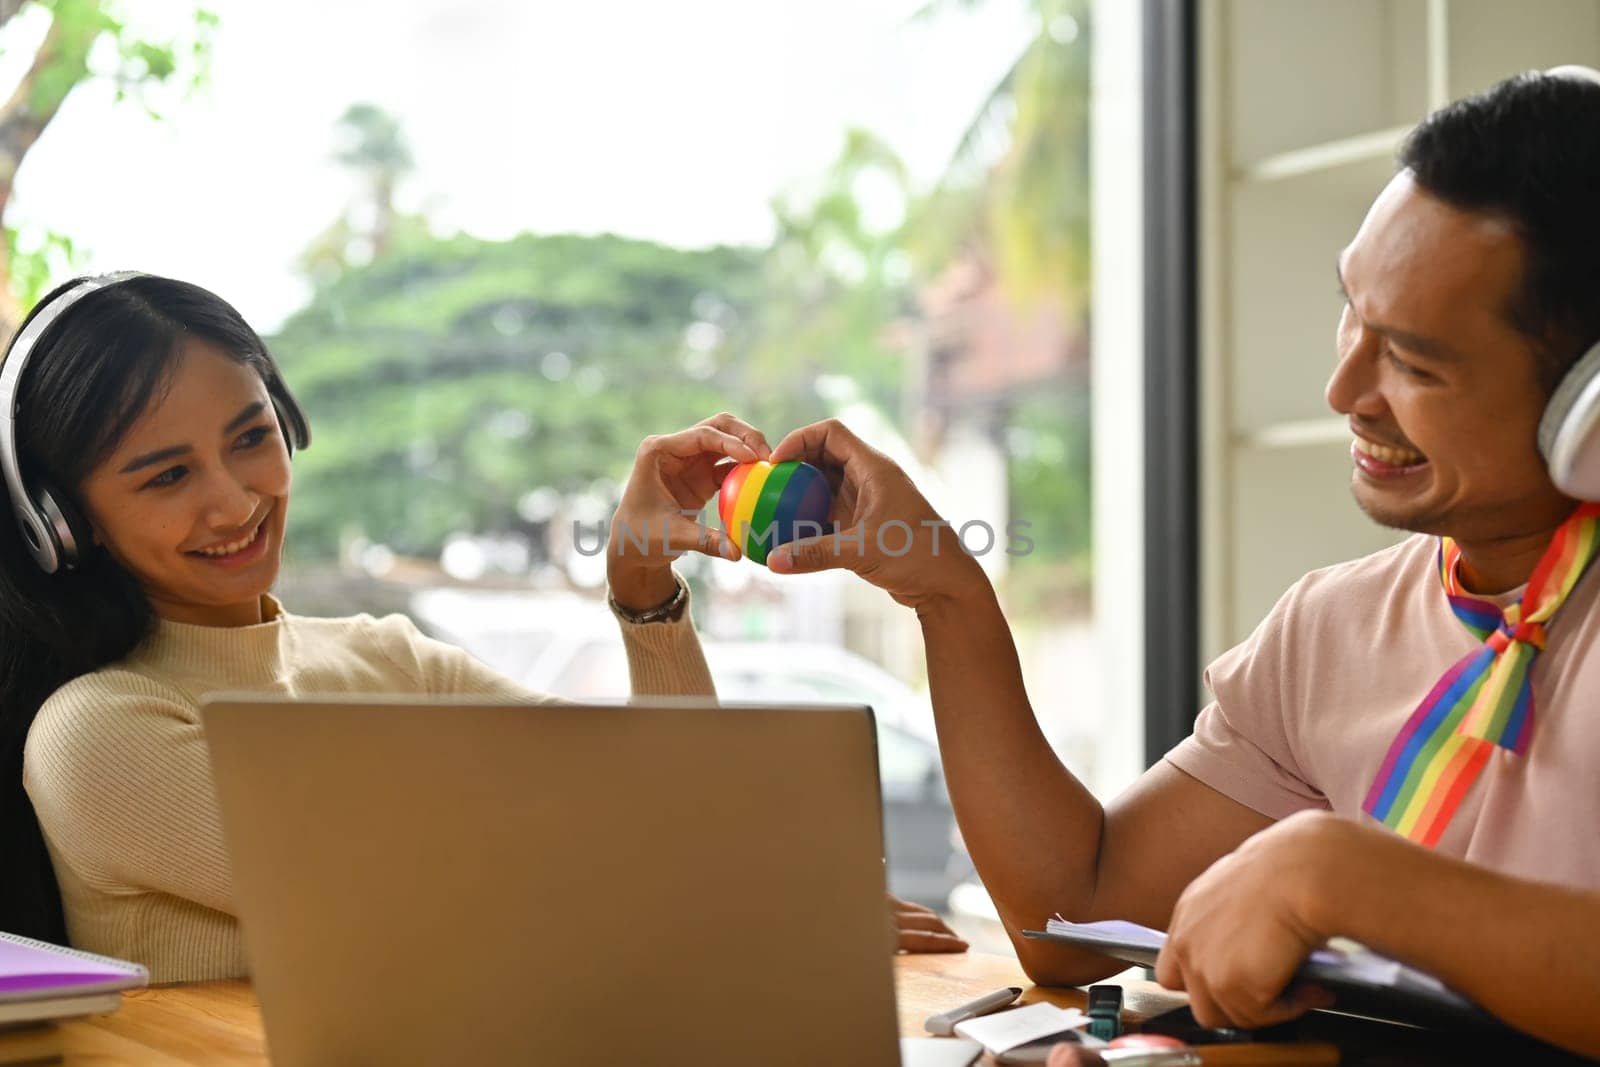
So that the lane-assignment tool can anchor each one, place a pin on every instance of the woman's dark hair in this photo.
(1528, 150)
(88, 379)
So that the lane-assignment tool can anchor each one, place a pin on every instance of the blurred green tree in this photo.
(836, 279)
(456, 383)
(370, 142)
(1016, 194)
(459, 386)
(1018, 181)
(1047, 447)
(70, 42)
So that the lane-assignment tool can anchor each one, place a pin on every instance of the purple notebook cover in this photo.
(28, 969)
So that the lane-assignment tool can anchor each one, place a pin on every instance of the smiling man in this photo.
(1445, 366)
(1405, 751)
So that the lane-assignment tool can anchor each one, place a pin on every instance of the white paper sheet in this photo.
(1005, 1030)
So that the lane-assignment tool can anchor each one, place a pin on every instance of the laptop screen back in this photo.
(434, 883)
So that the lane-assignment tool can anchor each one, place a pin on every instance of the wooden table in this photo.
(218, 1024)
(212, 1023)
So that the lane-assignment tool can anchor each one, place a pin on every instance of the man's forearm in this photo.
(1528, 952)
(1032, 828)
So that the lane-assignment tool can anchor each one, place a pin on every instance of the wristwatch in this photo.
(669, 610)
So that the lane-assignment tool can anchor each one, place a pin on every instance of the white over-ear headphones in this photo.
(51, 527)
(1569, 431)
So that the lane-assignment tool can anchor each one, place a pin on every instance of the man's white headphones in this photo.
(1569, 431)
(55, 531)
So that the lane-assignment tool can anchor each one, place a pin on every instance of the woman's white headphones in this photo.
(1569, 430)
(51, 527)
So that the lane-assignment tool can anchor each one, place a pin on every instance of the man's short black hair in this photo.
(1528, 150)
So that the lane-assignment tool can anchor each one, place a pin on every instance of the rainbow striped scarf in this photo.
(1486, 699)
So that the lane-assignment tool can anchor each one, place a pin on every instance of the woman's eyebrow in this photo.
(151, 458)
(244, 416)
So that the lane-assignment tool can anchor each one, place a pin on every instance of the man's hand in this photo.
(673, 474)
(888, 532)
(919, 929)
(1242, 928)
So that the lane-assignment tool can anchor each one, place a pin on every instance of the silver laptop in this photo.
(431, 883)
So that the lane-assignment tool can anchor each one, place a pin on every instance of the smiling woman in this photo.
(81, 381)
(145, 435)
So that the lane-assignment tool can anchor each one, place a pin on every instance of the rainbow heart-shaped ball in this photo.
(762, 504)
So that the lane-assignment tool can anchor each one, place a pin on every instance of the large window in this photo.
(495, 244)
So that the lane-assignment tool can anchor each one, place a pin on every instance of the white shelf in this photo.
(1297, 433)
(1364, 147)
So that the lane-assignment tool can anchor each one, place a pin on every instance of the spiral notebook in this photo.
(1363, 982)
(36, 970)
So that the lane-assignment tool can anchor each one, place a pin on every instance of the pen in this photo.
(944, 1024)
(1306, 1055)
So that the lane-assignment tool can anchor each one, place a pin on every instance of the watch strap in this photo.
(669, 610)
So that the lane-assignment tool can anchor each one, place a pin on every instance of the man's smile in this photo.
(1392, 455)
(1385, 461)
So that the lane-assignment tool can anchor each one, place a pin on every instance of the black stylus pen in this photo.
(944, 1024)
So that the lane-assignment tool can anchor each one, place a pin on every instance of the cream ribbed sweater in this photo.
(117, 768)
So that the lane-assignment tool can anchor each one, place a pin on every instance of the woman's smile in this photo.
(239, 552)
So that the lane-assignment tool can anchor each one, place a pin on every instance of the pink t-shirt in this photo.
(1306, 708)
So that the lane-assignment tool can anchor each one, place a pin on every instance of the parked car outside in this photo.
(582, 658)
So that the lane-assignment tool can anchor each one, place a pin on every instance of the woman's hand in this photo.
(888, 533)
(673, 477)
(919, 929)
